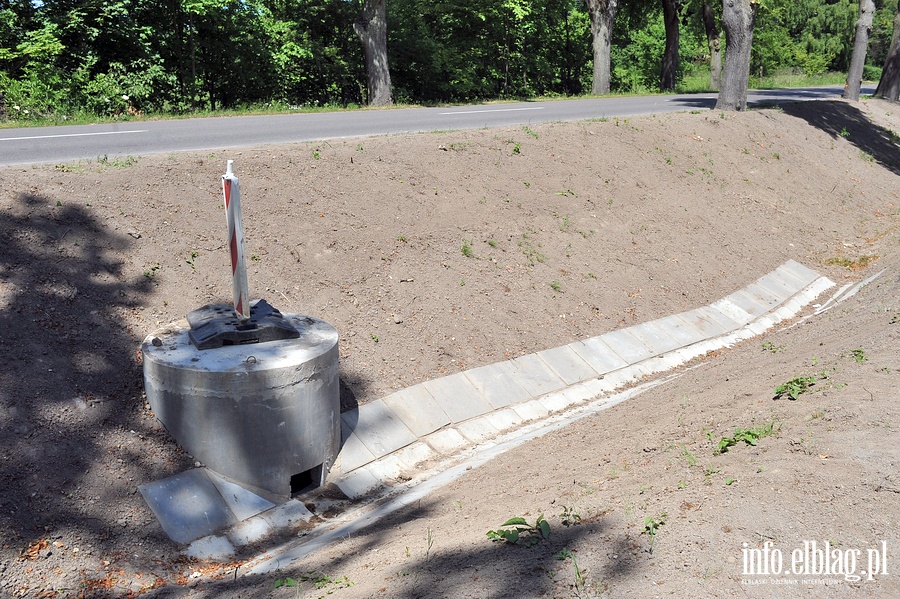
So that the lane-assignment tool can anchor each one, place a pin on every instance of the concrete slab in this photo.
(802, 274)
(212, 548)
(535, 376)
(751, 303)
(817, 287)
(249, 531)
(531, 410)
(415, 454)
(358, 483)
(353, 453)
(242, 502)
(497, 385)
(782, 287)
(567, 364)
(388, 468)
(458, 397)
(288, 514)
(504, 419)
(380, 429)
(598, 355)
(708, 321)
(477, 429)
(418, 410)
(651, 334)
(732, 311)
(188, 505)
(625, 344)
(555, 402)
(679, 329)
(447, 441)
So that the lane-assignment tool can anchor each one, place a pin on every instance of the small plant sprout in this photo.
(466, 249)
(730, 481)
(374, 337)
(556, 286)
(517, 148)
(795, 387)
(771, 347)
(402, 238)
(151, 271)
(580, 580)
(858, 355)
(530, 132)
(517, 531)
(190, 259)
(651, 526)
(569, 516)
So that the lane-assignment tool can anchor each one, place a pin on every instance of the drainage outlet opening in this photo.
(306, 481)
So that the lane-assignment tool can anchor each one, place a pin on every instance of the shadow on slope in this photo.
(843, 119)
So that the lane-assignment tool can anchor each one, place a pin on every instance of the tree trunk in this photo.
(602, 13)
(371, 27)
(860, 47)
(715, 46)
(738, 16)
(889, 84)
(670, 55)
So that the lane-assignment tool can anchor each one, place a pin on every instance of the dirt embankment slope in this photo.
(439, 252)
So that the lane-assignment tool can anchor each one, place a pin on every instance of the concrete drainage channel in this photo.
(397, 449)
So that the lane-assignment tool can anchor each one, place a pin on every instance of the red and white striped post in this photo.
(236, 242)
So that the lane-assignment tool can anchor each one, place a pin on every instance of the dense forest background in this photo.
(128, 57)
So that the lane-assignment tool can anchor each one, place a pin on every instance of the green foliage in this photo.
(319, 581)
(858, 355)
(651, 526)
(795, 387)
(127, 58)
(750, 436)
(517, 531)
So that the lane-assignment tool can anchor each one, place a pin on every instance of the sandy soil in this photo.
(439, 252)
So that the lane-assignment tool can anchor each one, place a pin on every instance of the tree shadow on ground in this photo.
(843, 119)
(71, 372)
(435, 567)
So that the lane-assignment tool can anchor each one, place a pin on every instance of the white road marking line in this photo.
(494, 110)
(73, 135)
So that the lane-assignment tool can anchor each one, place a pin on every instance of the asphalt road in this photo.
(138, 138)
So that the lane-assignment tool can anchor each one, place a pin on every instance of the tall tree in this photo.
(738, 16)
(714, 43)
(669, 72)
(371, 27)
(889, 84)
(860, 47)
(602, 14)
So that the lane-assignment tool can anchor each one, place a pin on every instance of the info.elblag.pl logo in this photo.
(813, 559)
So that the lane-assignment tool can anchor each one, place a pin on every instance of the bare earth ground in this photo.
(440, 252)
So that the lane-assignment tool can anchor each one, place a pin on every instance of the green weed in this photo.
(517, 531)
(117, 162)
(319, 581)
(795, 387)
(651, 526)
(150, 272)
(580, 580)
(750, 436)
(190, 259)
(466, 249)
(556, 286)
(569, 516)
(858, 355)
